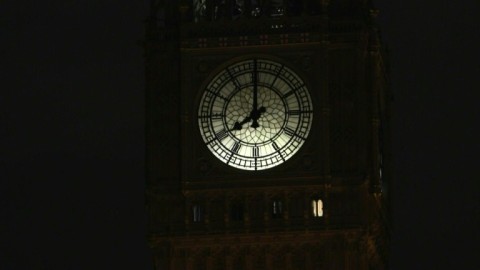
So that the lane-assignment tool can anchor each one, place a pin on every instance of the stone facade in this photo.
(327, 207)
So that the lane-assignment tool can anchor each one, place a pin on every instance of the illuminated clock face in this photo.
(255, 114)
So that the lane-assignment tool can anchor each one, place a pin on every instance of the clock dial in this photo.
(255, 114)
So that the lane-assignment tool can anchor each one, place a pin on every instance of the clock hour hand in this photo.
(254, 115)
(238, 125)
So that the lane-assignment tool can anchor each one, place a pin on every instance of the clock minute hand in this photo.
(254, 115)
(255, 87)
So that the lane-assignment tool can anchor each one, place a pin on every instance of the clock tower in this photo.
(267, 135)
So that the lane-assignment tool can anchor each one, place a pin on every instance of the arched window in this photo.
(214, 10)
(317, 208)
(199, 10)
(236, 211)
(197, 212)
(277, 209)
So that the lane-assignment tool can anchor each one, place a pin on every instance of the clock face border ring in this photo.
(274, 129)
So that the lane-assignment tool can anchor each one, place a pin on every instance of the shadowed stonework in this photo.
(267, 135)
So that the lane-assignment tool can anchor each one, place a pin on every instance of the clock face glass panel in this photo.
(255, 114)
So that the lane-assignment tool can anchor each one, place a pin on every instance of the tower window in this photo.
(380, 166)
(197, 212)
(199, 10)
(276, 8)
(277, 208)
(317, 208)
(237, 212)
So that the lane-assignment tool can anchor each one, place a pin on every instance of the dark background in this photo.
(72, 123)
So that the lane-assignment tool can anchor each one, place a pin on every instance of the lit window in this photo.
(199, 10)
(317, 208)
(277, 208)
(197, 213)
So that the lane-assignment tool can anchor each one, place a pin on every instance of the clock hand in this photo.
(238, 125)
(255, 87)
(256, 115)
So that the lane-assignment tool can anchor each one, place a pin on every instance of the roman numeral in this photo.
(217, 95)
(217, 116)
(289, 93)
(222, 134)
(276, 76)
(290, 132)
(211, 116)
(233, 79)
(298, 112)
(275, 146)
(236, 147)
(255, 151)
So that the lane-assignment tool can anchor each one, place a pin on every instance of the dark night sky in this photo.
(72, 146)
